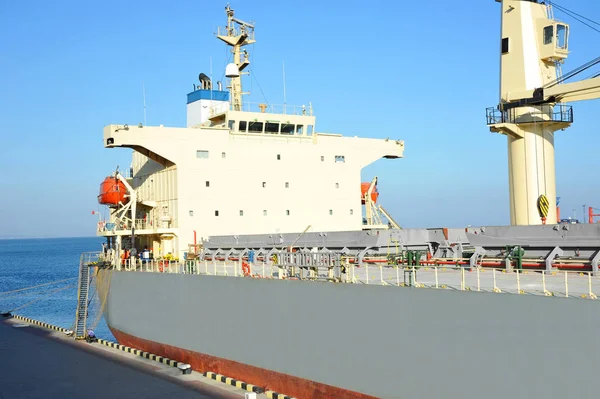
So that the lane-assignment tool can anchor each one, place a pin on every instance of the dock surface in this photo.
(39, 363)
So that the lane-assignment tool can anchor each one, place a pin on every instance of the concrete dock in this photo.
(36, 362)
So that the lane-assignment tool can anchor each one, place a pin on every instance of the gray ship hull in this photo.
(314, 339)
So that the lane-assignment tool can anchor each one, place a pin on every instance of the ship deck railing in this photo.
(285, 109)
(140, 224)
(563, 283)
(546, 113)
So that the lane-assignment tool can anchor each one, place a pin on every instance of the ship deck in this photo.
(568, 284)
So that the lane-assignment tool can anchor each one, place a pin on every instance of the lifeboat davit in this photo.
(112, 192)
(364, 187)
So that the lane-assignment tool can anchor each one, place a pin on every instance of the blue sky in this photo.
(420, 72)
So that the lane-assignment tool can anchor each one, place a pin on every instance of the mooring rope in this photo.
(104, 279)
(37, 286)
(43, 297)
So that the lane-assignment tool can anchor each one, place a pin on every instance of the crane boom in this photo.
(588, 89)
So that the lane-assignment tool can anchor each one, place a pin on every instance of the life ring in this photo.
(245, 268)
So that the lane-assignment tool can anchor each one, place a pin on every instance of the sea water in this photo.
(30, 262)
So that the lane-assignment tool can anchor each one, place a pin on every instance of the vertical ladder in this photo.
(82, 298)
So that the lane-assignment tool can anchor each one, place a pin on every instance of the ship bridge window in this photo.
(562, 36)
(287, 128)
(255, 127)
(300, 129)
(548, 34)
(309, 129)
(201, 154)
(271, 127)
(340, 158)
(231, 125)
(243, 126)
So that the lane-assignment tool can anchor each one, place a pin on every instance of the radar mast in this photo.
(236, 34)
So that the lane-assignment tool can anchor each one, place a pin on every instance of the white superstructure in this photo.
(240, 169)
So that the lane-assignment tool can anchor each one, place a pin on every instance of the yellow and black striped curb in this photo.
(41, 323)
(235, 383)
(275, 395)
(146, 355)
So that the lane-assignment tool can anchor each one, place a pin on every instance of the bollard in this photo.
(185, 368)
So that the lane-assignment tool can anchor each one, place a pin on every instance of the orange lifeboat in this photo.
(112, 192)
(364, 187)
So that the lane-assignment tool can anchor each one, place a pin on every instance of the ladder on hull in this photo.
(82, 298)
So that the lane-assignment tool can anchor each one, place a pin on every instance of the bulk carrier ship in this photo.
(220, 255)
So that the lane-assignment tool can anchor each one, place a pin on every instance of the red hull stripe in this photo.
(269, 380)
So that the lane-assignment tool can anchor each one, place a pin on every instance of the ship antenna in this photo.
(211, 81)
(284, 96)
(144, 95)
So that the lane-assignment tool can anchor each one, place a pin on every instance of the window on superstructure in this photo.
(223, 155)
(309, 129)
(287, 212)
(279, 157)
(231, 125)
(331, 211)
(548, 34)
(202, 154)
(337, 185)
(272, 127)
(340, 158)
(207, 183)
(264, 212)
(562, 36)
(243, 126)
(255, 127)
(351, 211)
(241, 212)
(264, 184)
(287, 128)
(504, 45)
(300, 129)
(287, 184)
(216, 213)
(322, 158)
